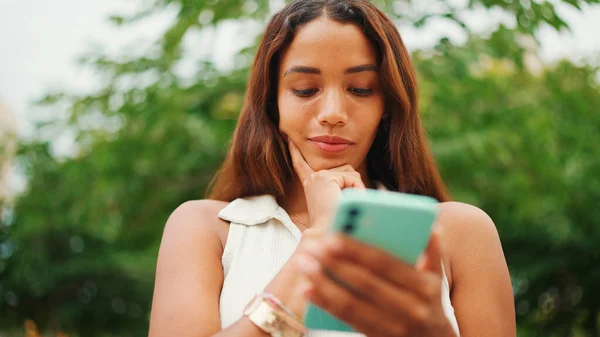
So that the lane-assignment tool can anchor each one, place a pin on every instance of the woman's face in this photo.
(329, 96)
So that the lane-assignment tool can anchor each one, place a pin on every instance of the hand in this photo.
(381, 296)
(322, 188)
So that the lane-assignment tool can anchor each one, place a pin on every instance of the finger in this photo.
(352, 179)
(368, 286)
(432, 257)
(345, 179)
(303, 170)
(340, 302)
(378, 261)
(343, 168)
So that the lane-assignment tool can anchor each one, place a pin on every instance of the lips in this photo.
(332, 144)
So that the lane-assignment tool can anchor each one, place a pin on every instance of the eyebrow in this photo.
(315, 71)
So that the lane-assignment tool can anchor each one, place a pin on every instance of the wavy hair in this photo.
(258, 161)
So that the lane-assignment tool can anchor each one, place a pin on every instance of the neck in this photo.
(294, 200)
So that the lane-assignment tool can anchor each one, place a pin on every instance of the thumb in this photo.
(431, 259)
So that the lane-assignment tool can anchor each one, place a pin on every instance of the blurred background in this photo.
(115, 112)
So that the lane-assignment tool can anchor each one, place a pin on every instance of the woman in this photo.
(331, 104)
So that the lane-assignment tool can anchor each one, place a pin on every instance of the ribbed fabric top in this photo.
(262, 237)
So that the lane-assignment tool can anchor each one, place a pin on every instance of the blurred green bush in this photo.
(514, 136)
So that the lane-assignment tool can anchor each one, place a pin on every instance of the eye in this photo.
(305, 92)
(361, 92)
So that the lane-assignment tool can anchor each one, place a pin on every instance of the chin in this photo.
(319, 164)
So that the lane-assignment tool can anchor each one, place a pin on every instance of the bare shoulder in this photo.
(459, 218)
(198, 209)
(189, 274)
(199, 219)
(481, 290)
(470, 239)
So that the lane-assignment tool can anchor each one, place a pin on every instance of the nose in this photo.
(333, 109)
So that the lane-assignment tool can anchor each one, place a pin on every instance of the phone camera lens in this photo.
(353, 212)
(348, 228)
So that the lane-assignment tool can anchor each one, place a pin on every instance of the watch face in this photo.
(265, 317)
(274, 323)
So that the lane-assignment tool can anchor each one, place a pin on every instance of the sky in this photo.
(40, 41)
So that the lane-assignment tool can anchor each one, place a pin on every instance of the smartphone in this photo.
(396, 222)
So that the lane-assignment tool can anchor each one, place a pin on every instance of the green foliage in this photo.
(78, 247)
(523, 147)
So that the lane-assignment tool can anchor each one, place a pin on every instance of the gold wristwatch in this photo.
(271, 317)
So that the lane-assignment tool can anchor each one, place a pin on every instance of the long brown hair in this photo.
(258, 161)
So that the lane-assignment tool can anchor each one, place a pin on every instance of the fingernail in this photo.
(308, 264)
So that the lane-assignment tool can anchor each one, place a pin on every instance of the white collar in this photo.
(256, 210)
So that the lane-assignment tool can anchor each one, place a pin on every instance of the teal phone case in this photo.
(396, 222)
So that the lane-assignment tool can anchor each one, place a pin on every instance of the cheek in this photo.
(293, 117)
(369, 117)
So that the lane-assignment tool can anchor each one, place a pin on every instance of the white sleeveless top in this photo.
(262, 237)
